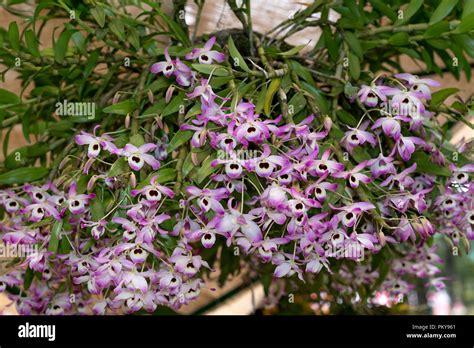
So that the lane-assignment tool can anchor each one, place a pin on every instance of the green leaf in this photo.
(319, 99)
(195, 110)
(424, 165)
(162, 310)
(64, 246)
(434, 31)
(354, 43)
(7, 97)
(79, 41)
(261, 99)
(173, 105)
(438, 97)
(160, 83)
(28, 278)
(23, 175)
(466, 24)
(164, 175)
(384, 9)
(137, 140)
(99, 15)
(295, 50)
(91, 63)
(211, 69)
(296, 104)
(97, 209)
(14, 36)
(122, 108)
(349, 90)
(354, 66)
(301, 71)
(230, 264)
(410, 11)
(204, 171)
(331, 44)
(134, 38)
(468, 8)
(272, 89)
(116, 26)
(32, 42)
(181, 137)
(443, 9)
(399, 39)
(120, 166)
(60, 47)
(346, 118)
(176, 29)
(25, 124)
(54, 238)
(238, 59)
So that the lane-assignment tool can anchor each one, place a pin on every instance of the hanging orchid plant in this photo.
(220, 157)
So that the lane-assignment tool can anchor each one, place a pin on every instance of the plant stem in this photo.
(200, 4)
(281, 93)
(181, 156)
(405, 28)
(249, 26)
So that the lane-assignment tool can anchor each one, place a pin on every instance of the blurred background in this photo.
(239, 296)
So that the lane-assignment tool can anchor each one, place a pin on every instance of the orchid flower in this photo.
(137, 156)
(95, 142)
(205, 55)
(183, 73)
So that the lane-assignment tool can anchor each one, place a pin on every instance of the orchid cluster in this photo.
(288, 194)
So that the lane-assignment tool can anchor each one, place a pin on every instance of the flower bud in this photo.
(169, 93)
(127, 121)
(133, 180)
(150, 96)
(63, 163)
(194, 158)
(91, 183)
(116, 98)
